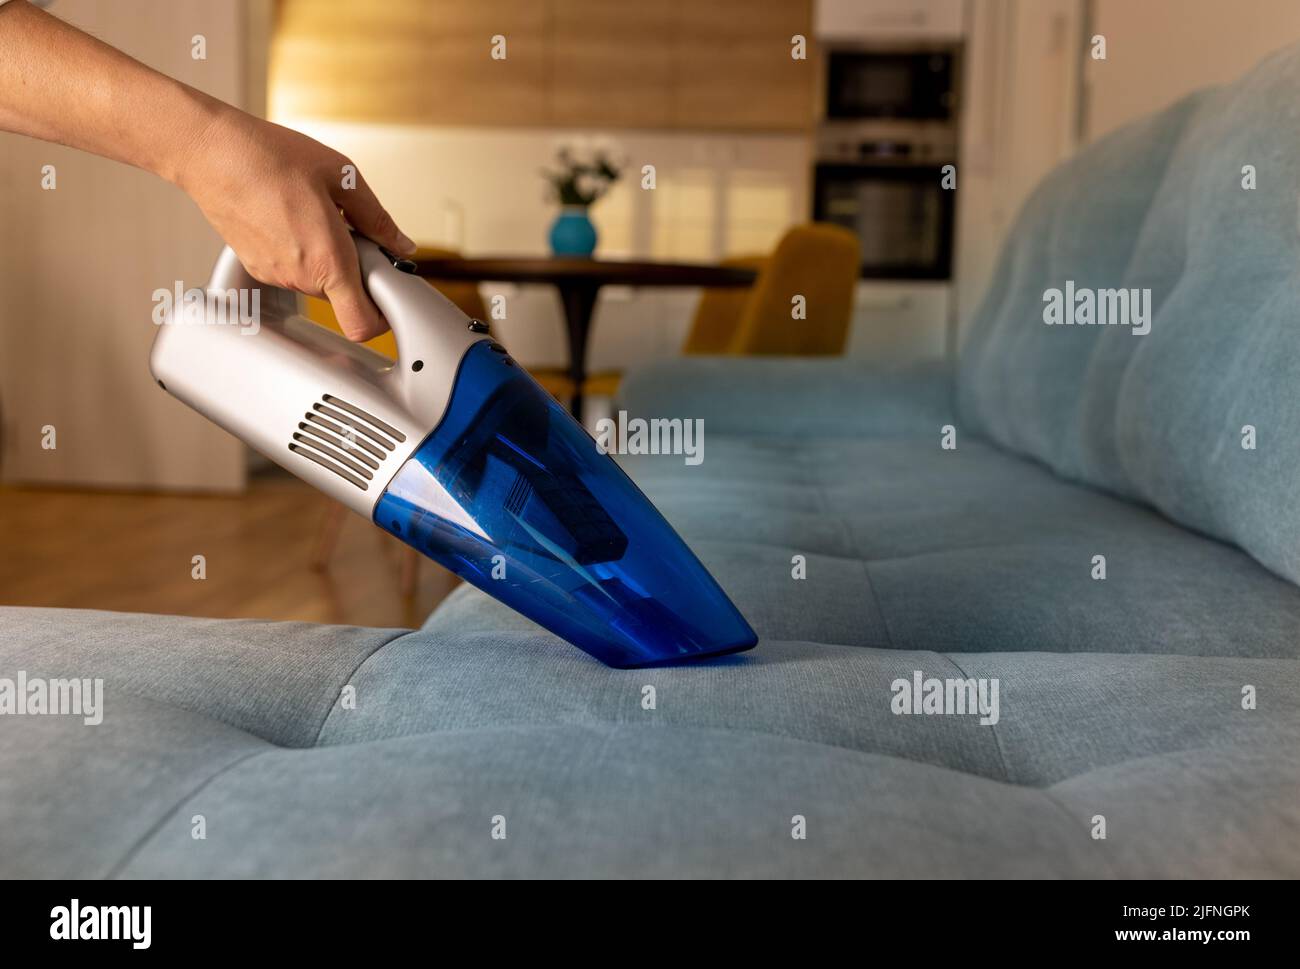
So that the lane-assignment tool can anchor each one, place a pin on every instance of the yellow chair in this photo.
(819, 262)
(718, 313)
(716, 316)
(559, 384)
(466, 296)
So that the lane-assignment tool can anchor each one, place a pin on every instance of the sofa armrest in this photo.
(783, 396)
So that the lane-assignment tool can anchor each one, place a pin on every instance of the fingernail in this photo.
(405, 245)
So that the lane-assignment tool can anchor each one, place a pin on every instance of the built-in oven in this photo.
(887, 133)
(901, 213)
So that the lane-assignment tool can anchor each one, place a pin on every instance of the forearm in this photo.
(277, 197)
(59, 84)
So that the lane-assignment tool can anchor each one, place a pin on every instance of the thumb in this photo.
(372, 220)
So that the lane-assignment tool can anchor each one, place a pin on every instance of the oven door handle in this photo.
(884, 302)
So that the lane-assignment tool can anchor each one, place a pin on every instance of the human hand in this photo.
(274, 196)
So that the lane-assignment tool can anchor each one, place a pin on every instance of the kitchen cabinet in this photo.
(407, 60)
(462, 83)
(673, 64)
(732, 66)
(899, 322)
(596, 81)
(877, 20)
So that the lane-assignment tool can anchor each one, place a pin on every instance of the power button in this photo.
(405, 265)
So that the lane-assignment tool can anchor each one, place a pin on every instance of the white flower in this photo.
(589, 186)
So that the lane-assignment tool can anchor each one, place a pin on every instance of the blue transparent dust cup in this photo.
(511, 494)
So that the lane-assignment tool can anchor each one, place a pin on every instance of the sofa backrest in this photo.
(1169, 417)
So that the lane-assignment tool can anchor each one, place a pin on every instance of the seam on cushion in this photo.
(329, 707)
(194, 711)
(778, 545)
(1204, 748)
(631, 725)
(857, 555)
(1046, 791)
(875, 598)
(166, 816)
(205, 715)
(953, 550)
(197, 712)
(551, 725)
(595, 723)
(993, 728)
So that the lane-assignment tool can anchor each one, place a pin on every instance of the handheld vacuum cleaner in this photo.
(457, 451)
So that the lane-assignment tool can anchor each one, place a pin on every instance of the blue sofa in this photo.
(1147, 722)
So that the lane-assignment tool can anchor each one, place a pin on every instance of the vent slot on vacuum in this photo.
(344, 439)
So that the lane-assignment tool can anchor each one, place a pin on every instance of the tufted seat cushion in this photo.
(453, 729)
(911, 546)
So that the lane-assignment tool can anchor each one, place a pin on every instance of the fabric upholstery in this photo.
(969, 550)
(758, 396)
(1159, 418)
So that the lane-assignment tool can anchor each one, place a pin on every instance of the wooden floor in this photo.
(133, 552)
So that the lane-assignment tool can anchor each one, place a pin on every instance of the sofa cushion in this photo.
(786, 396)
(264, 678)
(452, 729)
(908, 545)
(1160, 205)
(615, 800)
(76, 801)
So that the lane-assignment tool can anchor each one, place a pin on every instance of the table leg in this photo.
(579, 299)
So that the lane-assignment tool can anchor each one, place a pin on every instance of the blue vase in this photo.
(572, 233)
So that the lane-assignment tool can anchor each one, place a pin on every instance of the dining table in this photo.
(578, 282)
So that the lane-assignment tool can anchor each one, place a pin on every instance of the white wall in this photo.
(1021, 109)
(1025, 59)
(78, 266)
(1159, 50)
(479, 190)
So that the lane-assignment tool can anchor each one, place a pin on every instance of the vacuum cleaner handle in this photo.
(432, 333)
